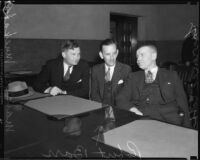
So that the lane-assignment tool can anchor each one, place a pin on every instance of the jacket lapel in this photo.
(74, 73)
(116, 76)
(101, 79)
(141, 81)
(60, 71)
(162, 80)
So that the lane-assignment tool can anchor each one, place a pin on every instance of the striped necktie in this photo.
(67, 74)
(108, 76)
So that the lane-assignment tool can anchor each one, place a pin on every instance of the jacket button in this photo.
(147, 100)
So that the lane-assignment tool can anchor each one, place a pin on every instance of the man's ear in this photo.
(101, 55)
(117, 52)
(154, 55)
(63, 54)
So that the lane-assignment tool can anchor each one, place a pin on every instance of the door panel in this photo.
(124, 30)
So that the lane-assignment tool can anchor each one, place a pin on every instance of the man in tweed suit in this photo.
(160, 97)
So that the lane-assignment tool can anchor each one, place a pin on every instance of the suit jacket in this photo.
(52, 75)
(120, 74)
(172, 92)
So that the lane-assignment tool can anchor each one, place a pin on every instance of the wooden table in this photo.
(30, 133)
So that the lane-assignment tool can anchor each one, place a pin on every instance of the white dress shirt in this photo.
(66, 66)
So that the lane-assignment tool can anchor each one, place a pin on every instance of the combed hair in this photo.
(69, 44)
(107, 42)
(150, 45)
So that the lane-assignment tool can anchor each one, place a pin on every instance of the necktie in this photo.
(108, 76)
(67, 74)
(149, 77)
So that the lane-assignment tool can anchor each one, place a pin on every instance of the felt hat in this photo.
(17, 90)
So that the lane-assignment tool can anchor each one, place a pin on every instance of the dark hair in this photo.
(107, 42)
(69, 44)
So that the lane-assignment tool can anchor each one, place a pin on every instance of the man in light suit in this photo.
(67, 74)
(158, 95)
(108, 77)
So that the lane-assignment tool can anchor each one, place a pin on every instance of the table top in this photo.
(30, 133)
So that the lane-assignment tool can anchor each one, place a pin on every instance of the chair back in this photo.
(187, 74)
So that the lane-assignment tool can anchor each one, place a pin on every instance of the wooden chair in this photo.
(187, 74)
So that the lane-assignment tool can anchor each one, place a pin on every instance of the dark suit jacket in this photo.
(52, 75)
(171, 90)
(121, 72)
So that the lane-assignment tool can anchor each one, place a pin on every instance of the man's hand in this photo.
(136, 111)
(47, 90)
(55, 91)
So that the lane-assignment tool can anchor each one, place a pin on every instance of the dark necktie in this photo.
(149, 77)
(108, 76)
(67, 74)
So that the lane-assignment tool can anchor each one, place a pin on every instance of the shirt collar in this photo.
(66, 66)
(111, 67)
(153, 70)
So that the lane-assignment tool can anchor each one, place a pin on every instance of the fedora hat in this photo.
(17, 90)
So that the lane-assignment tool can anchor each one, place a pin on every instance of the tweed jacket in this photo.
(172, 92)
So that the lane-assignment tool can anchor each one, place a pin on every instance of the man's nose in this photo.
(139, 58)
(112, 57)
(77, 56)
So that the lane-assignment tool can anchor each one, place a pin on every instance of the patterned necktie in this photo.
(67, 74)
(108, 76)
(149, 77)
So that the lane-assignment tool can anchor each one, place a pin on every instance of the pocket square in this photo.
(80, 80)
(120, 81)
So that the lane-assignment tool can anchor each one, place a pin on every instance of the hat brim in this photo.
(30, 93)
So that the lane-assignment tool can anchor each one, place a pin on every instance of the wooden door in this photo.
(123, 29)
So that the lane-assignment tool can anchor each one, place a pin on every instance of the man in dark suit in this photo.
(155, 93)
(67, 74)
(108, 77)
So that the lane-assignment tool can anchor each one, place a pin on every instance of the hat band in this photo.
(19, 93)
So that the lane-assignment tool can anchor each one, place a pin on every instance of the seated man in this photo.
(154, 92)
(108, 77)
(67, 74)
